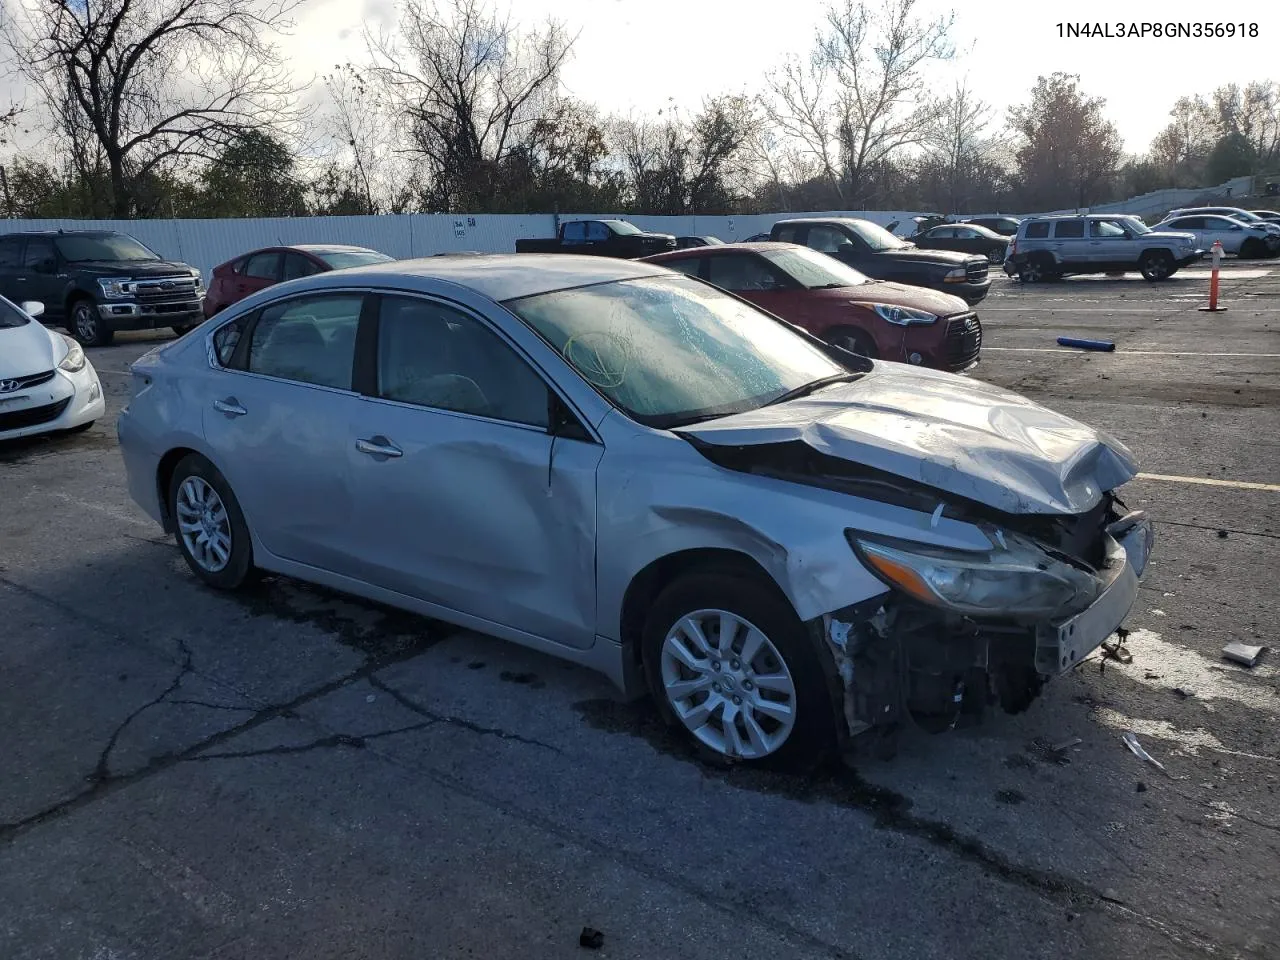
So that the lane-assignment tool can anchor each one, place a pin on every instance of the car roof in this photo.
(509, 276)
(720, 249)
(827, 220)
(64, 233)
(329, 248)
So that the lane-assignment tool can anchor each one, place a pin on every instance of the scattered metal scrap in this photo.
(1243, 653)
(1131, 741)
(1116, 650)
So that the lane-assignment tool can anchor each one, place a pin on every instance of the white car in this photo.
(1236, 236)
(47, 384)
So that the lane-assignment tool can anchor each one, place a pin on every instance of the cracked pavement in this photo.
(293, 773)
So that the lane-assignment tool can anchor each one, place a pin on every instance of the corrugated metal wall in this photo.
(207, 243)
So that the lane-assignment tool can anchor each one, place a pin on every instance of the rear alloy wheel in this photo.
(208, 524)
(855, 341)
(87, 325)
(1157, 265)
(727, 659)
(1033, 271)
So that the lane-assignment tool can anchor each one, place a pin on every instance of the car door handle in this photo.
(230, 407)
(379, 447)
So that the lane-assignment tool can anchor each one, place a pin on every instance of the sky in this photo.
(639, 56)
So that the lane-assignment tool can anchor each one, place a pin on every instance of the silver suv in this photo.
(1046, 248)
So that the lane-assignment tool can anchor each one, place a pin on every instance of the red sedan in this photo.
(247, 274)
(877, 319)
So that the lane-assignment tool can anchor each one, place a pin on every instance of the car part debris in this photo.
(1107, 346)
(1131, 741)
(1222, 534)
(1142, 787)
(1243, 653)
(1182, 694)
(591, 938)
(1066, 745)
(1116, 650)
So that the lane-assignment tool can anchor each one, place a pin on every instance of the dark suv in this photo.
(879, 254)
(95, 282)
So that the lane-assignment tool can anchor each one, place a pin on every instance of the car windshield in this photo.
(813, 270)
(622, 228)
(670, 351)
(11, 316)
(111, 246)
(1136, 225)
(877, 238)
(353, 258)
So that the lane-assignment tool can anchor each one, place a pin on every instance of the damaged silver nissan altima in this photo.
(786, 544)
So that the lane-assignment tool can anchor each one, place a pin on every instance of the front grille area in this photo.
(976, 271)
(164, 288)
(32, 416)
(963, 340)
(12, 384)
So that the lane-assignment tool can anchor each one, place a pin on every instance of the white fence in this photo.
(207, 243)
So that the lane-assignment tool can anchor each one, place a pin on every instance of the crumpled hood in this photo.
(31, 348)
(951, 433)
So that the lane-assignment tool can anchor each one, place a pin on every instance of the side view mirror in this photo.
(33, 308)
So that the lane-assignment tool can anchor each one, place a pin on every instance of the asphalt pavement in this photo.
(289, 773)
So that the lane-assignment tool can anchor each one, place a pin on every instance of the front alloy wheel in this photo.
(87, 325)
(728, 684)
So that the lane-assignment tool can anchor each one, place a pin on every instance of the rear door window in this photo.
(1068, 229)
(296, 266)
(309, 340)
(263, 266)
(689, 266)
(575, 232)
(787, 234)
(1105, 228)
(827, 239)
(740, 272)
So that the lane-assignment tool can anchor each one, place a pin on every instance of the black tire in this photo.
(239, 567)
(1252, 249)
(86, 325)
(813, 734)
(855, 341)
(1037, 270)
(1157, 265)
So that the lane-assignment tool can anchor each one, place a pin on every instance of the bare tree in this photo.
(861, 96)
(957, 145)
(361, 128)
(1180, 150)
(136, 86)
(470, 87)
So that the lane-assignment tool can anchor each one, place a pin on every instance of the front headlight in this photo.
(74, 361)
(195, 274)
(115, 287)
(902, 316)
(1015, 578)
(956, 275)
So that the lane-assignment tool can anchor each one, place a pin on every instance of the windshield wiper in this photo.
(830, 286)
(808, 388)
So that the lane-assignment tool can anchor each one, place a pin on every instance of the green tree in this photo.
(254, 176)
(1232, 156)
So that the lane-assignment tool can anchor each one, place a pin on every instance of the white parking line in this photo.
(1132, 353)
(1210, 482)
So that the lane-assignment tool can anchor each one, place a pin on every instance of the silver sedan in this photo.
(786, 544)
